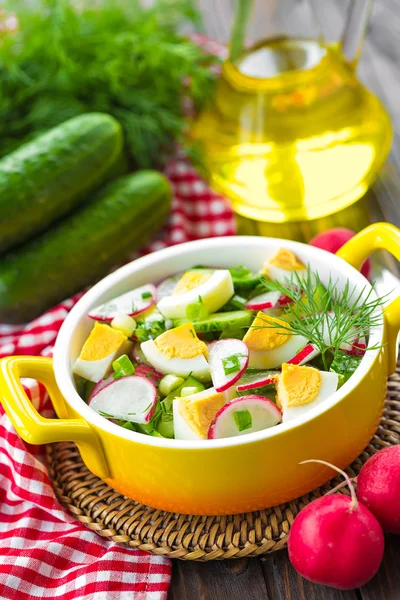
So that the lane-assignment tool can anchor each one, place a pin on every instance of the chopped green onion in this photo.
(147, 295)
(196, 311)
(188, 391)
(123, 367)
(238, 301)
(239, 271)
(243, 419)
(169, 383)
(231, 364)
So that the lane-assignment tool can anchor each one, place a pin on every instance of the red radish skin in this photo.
(263, 301)
(107, 311)
(336, 540)
(99, 386)
(378, 487)
(223, 349)
(306, 354)
(268, 300)
(333, 239)
(149, 372)
(257, 382)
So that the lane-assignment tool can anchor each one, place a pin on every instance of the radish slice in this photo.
(99, 386)
(132, 303)
(307, 353)
(149, 372)
(167, 286)
(267, 300)
(252, 381)
(244, 415)
(129, 398)
(357, 348)
(228, 360)
(138, 355)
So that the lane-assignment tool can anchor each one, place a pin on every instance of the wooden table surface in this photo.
(271, 577)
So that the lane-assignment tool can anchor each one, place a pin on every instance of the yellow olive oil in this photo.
(291, 134)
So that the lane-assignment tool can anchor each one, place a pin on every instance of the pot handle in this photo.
(35, 429)
(379, 236)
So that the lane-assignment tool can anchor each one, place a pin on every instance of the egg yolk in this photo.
(189, 281)
(102, 341)
(297, 385)
(200, 409)
(180, 342)
(263, 333)
(286, 260)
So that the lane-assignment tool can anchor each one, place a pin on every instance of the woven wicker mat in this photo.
(191, 537)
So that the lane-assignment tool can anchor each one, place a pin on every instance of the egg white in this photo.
(197, 366)
(329, 383)
(93, 370)
(182, 431)
(214, 293)
(270, 359)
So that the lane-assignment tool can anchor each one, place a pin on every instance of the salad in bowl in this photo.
(197, 378)
(211, 353)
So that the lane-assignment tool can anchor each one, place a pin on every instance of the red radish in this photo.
(149, 372)
(304, 355)
(128, 398)
(333, 239)
(228, 360)
(378, 487)
(167, 286)
(336, 540)
(99, 386)
(244, 415)
(267, 300)
(132, 303)
(252, 381)
(138, 356)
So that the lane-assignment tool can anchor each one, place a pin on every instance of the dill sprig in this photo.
(66, 58)
(330, 319)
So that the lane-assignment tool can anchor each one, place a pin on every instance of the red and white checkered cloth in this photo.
(44, 551)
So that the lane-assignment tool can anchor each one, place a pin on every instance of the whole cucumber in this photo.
(83, 247)
(46, 178)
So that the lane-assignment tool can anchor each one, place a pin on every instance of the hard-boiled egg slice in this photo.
(270, 343)
(193, 414)
(101, 348)
(282, 265)
(178, 351)
(301, 388)
(212, 288)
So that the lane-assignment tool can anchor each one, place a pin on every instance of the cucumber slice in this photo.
(236, 319)
(243, 278)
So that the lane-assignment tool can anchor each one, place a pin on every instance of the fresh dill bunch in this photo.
(330, 320)
(114, 56)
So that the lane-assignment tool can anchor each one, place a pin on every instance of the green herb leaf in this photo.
(108, 56)
(106, 415)
(352, 313)
(243, 419)
(231, 364)
(146, 295)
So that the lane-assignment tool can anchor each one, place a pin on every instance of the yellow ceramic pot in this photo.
(223, 476)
